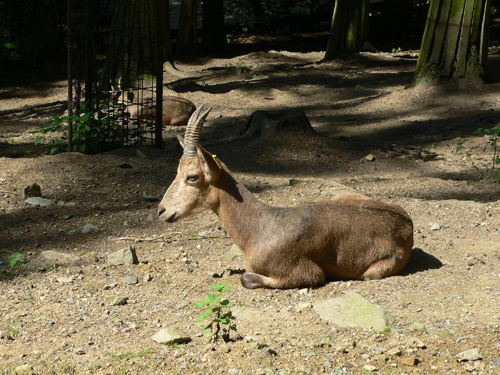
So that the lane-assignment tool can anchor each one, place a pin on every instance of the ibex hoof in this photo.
(252, 280)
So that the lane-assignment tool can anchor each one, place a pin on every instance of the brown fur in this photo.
(176, 110)
(348, 237)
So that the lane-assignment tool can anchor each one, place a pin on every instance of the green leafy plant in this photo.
(90, 134)
(219, 315)
(486, 167)
(17, 258)
(289, 68)
(229, 37)
(396, 50)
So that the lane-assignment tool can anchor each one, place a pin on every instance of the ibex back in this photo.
(348, 237)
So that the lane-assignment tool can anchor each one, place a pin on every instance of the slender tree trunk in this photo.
(349, 27)
(43, 45)
(455, 42)
(188, 28)
(214, 34)
(257, 10)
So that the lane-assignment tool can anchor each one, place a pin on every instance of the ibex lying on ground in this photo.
(348, 237)
(175, 111)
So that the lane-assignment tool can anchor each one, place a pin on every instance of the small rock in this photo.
(89, 228)
(369, 368)
(79, 351)
(33, 190)
(37, 201)
(394, 352)
(408, 361)
(267, 350)
(147, 278)
(303, 306)
(120, 301)
(293, 182)
(130, 280)
(418, 344)
(469, 355)
(65, 280)
(171, 335)
(435, 226)
(149, 198)
(126, 255)
(370, 157)
(126, 166)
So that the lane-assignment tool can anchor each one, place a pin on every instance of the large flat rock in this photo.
(351, 310)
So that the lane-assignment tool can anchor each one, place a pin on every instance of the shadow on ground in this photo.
(421, 261)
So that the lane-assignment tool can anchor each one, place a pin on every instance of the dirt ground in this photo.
(57, 316)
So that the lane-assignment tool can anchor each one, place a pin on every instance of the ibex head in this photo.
(192, 190)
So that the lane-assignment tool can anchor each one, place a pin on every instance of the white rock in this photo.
(435, 226)
(88, 228)
(469, 355)
(171, 335)
(65, 280)
(37, 201)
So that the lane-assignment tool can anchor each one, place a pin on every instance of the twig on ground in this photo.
(164, 236)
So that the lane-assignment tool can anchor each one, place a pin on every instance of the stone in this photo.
(65, 279)
(234, 254)
(120, 301)
(130, 280)
(126, 166)
(408, 361)
(351, 310)
(171, 335)
(57, 257)
(369, 368)
(33, 190)
(89, 228)
(469, 355)
(126, 255)
(79, 351)
(394, 352)
(370, 157)
(149, 198)
(269, 351)
(37, 201)
(435, 226)
(147, 278)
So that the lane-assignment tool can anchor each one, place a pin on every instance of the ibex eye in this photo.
(192, 178)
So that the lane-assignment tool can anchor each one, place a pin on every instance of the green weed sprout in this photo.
(220, 317)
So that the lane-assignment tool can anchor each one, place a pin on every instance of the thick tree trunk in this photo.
(349, 27)
(455, 42)
(188, 28)
(214, 34)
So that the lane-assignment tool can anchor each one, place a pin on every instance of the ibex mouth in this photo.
(172, 218)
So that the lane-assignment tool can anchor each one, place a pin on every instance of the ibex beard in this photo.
(348, 237)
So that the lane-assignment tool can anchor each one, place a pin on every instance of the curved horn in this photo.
(193, 129)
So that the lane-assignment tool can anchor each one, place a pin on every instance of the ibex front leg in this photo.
(305, 274)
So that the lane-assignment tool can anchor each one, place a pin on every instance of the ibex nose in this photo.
(161, 210)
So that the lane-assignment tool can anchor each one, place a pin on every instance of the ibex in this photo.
(175, 111)
(348, 237)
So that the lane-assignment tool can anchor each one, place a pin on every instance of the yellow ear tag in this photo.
(217, 161)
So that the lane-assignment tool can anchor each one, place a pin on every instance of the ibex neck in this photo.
(240, 212)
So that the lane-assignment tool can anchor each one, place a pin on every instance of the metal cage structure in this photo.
(115, 71)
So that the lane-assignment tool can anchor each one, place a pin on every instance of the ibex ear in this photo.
(181, 140)
(211, 166)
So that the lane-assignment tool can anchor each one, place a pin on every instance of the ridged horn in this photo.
(193, 129)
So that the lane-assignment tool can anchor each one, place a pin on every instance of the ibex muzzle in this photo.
(348, 237)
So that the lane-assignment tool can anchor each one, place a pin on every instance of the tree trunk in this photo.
(455, 42)
(188, 28)
(214, 34)
(43, 44)
(349, 27)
